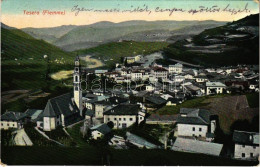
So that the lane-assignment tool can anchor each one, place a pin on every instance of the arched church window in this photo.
(76, 88)
(76, 78)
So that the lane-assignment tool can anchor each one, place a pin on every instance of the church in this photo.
(66, 109)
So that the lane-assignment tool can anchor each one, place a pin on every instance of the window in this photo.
(7, 124)
(193, 135)
(119, 119)
(199, 135)
(193, 129)
(2, 124)
(254, 147)
(108, 119)
(115, 119)
(131, 119)
(58, 123)
(13, 125)
(251, 155)
(124, 119)
(76, 78)
(58, 116)
(243, 146)
(200, 129)
(243, 154)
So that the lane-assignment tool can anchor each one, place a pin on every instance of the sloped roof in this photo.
(155, 99)
(33, 113)
(124, 109)
(60, 105)
(196, 146)
(194, 116)
(247, 138)
(112, 100)
(140, 141)
(102, 128)
(13, 116)
(156, 117)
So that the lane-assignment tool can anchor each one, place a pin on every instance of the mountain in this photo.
(23, 64)
(72, 38)
(17, 44)
(234, 43)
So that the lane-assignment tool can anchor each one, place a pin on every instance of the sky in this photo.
(17, 13)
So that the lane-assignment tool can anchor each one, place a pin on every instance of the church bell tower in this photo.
(77, 85)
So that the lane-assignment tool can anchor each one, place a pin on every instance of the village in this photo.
(115, 102)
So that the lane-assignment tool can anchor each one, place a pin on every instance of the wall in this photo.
(120, 119)
(9, 124)
(49, 123)
(99, 109)
(239, 149)
(187, 130)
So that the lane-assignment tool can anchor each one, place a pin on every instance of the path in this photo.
(22, 139)
(185, 63)
(94, 63)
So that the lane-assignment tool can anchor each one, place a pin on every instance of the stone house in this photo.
(11, 119)
(124, 115)
(197, 123)
(246, 145)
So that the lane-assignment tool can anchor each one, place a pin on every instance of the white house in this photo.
(246, 145)
(195, 123)
(159, 72)
(124, 115)
(214, 88)
(12, 119)
(99, 131)
(136, 75)
(177, 68)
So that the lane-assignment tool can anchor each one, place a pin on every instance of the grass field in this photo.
(89, 155)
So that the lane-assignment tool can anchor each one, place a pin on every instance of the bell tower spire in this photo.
(77, 85)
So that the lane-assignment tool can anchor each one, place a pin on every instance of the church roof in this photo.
(124, 109)
(62, 104)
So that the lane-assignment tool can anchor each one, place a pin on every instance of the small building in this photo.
(173, 101)
(214, 88)
(159, 73)
(154, 102)
(246, 145)
(99, 131)
(196, 123)
(177, 68)
(196, 146)
(11, 119)
(124, 115)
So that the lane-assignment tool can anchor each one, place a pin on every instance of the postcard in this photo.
(130, 82)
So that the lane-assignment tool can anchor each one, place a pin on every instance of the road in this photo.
(185, 63)
(22, 139)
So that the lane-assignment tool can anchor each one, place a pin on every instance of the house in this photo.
(246, 145)
(100, 72)
(124, 115)
(11, 119)
(201, 78)
(196, 123)
(100, 106)
(99, 131)
(129, 60)
(173, 101)
(154, 102)
(139, 141)
(214, 88)
(177, 68)
(136, 75)
(196, 146)
(159, 72)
